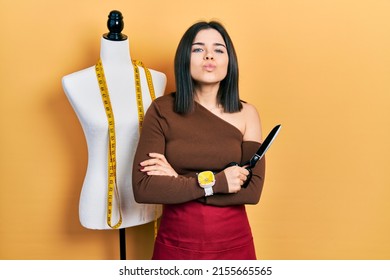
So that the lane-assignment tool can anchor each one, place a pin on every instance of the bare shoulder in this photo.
(252, 123)
(249, 110)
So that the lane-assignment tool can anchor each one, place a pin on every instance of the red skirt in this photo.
(194, 231)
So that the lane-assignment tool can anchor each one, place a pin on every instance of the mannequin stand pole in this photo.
(122, 243)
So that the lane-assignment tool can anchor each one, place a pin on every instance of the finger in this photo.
(155, 173)
(150, 162)
(148, 168)
(245, 171)
(147, 162)
(161, 170)
(243, 178)
(158, 156)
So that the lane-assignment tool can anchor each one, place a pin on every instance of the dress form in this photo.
(82, 91)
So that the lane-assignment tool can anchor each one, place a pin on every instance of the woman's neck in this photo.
(206, 95)
(115, 51)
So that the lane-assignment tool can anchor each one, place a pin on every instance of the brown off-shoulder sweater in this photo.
(192, 143)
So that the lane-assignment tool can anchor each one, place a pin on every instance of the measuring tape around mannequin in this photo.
(112, 189)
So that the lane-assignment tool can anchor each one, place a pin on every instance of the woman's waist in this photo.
(203, 211)
(195, 222)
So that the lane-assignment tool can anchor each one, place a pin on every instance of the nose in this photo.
(209, 56)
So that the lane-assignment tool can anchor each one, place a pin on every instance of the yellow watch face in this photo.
(205, 177)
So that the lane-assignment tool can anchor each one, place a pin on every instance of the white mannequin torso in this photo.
(84, 95)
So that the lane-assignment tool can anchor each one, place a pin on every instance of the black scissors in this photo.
(258, 155)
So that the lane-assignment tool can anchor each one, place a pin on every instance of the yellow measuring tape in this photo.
(140, 104)
(112, 185)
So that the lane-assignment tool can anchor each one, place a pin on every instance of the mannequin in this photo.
(83, 93)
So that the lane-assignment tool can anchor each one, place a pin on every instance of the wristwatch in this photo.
(206, 180)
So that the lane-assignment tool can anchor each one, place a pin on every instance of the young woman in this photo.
(188, 139)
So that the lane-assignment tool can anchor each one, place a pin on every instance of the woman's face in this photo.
(209, 58)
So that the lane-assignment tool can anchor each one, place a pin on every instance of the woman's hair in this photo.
(228, 95)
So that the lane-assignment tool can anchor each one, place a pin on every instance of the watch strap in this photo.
(208, 191)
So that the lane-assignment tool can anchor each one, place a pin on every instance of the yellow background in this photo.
(320, 68)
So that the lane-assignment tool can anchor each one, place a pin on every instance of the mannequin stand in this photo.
(122, 243)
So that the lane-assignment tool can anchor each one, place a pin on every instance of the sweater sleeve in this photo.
(163, 189)
(249, 195)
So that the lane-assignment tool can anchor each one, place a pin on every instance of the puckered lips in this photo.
(209, 67)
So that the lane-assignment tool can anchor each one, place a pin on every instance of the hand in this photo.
(236, 176)
(157, 165)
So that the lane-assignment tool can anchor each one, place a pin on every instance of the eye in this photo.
(197, 50)
(219, 51)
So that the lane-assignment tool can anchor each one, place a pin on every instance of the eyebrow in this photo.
(215, 44)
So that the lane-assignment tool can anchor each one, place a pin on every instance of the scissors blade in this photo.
(264, 146)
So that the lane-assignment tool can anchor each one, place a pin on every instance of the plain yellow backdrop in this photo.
(320, 68)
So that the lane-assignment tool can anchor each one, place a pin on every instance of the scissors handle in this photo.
(232, 164)
(248, 178)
